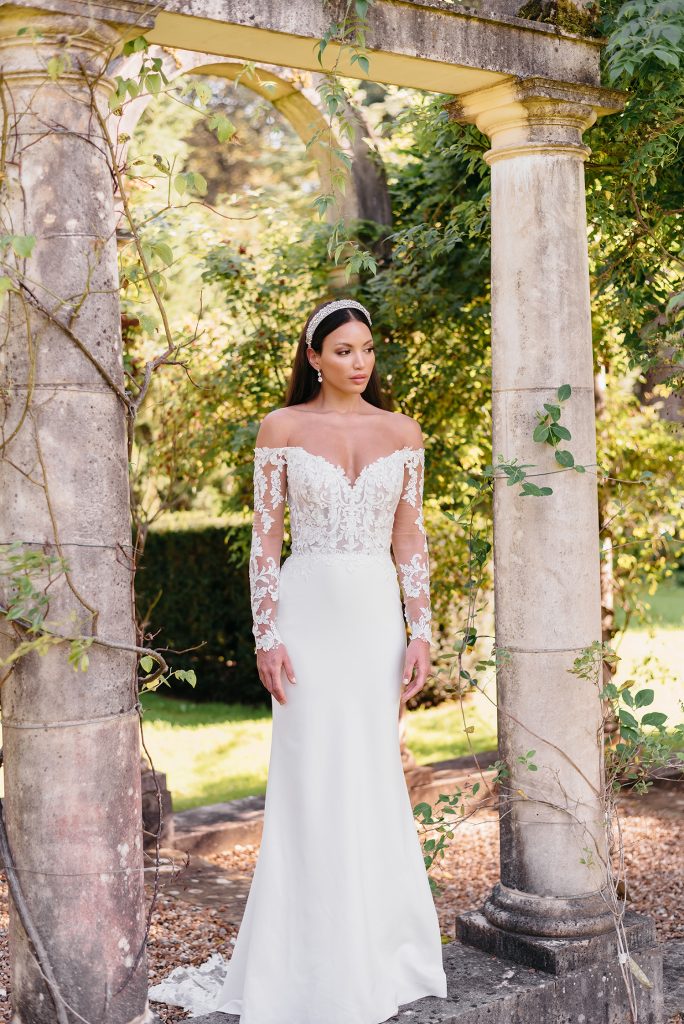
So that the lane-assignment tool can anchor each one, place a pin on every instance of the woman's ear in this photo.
(311, 362)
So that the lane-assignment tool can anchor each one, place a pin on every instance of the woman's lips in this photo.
(359, 378)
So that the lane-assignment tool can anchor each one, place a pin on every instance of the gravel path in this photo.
(187, 926)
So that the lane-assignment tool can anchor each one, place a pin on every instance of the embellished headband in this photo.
(330, 307)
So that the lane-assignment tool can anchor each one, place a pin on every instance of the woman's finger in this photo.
(276, 685)
(409, 662)
(287, 665)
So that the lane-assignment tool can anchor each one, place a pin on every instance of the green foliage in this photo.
(644, 743)
(27, 575)
(644, 33)
(550, 430)
(641, 493)
(564, 13)
(192, 593)
(635, 185)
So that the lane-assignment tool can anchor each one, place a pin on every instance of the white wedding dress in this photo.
(339, 926)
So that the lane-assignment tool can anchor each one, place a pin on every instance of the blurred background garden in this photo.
(226, 206)
(225, 194)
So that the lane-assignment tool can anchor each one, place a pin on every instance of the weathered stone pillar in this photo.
(72, 803)
(546, 549)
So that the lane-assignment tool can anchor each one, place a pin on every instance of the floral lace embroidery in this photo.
(264, 557)
(410, 545)
(332, 517)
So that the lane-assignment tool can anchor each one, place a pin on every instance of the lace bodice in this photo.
(381, 511)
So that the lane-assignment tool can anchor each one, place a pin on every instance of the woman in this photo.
(339, 926)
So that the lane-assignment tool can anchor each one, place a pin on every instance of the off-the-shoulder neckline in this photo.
(334, 465)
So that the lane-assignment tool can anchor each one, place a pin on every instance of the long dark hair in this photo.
(303, 384)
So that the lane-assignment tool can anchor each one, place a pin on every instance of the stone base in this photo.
(556, 956)
(484, 990)
(150, 808)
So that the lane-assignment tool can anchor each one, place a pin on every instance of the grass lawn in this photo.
(214, 752)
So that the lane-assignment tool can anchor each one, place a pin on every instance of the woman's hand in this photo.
(269, 665)
(418, 658)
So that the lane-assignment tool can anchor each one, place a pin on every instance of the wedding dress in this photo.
(339, 926)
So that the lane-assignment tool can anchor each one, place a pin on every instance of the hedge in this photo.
(196, 583)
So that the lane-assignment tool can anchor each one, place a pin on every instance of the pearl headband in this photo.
(330, 307)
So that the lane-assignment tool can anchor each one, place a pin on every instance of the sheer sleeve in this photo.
(410, 548)
(270, 477)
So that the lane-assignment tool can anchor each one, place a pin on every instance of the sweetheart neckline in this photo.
(334, 465)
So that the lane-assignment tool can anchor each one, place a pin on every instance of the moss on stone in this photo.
(563, 13)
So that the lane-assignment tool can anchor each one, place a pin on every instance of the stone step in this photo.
(482, 989)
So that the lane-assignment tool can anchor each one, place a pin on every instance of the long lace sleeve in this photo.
(410, 548)
(270, 475)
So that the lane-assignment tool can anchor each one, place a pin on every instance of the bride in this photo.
(339, 926)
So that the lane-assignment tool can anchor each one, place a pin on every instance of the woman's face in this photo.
(346, 358)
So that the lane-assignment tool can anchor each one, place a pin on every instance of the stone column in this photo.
(72, 805)
(546, 549)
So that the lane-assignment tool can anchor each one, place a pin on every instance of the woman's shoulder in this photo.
(274, 428)
(408, 430)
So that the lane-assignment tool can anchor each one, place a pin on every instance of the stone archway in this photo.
(533, 89)
(293, 94)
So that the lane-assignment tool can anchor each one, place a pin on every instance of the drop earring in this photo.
(320, 378)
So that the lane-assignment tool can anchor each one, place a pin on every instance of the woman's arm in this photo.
(411, 554)
(270, 486)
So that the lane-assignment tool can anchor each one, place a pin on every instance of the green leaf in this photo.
(55, 67)
(135, 45)
(676, 300)
(199, 183)
(672, 32)
(579, 469)
(643, 698)
(627, 718)
(553, 411)
(540, 433)
(146, 663)
(561, 432)
(532, 489)
(180, 184)
(629, 734)
(5, 285)
(564, 392)
(656, 718)
(148, 323)
(365, 66)
(153, 83)
(223, 127)
(23, 244)
(203, 92)
(165, 252)
(565, 458)
(666, 57)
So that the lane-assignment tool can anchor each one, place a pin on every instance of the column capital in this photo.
(526, 115)
(30, 35)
